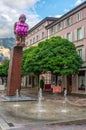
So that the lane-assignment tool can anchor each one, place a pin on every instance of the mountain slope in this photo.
(7, 42)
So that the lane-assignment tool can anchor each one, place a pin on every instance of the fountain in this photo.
(17, 98)
(17, 94)
(65, 102)
(40, 98)
(46, 109)
(43, 111)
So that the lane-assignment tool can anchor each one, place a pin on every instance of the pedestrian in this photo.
(21, 30)
(41, 83)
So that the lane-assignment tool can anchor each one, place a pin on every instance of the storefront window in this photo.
(81, 80)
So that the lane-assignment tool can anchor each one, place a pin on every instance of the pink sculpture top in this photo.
(21, 30)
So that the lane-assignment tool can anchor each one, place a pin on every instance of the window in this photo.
(27, 43)
(68, 21)
(30, 41)
(80, 52)
(81, 80)
(51, 31)
(33, 39)
(59, 26)
(80, 34)
(37, 38)
(69, 36)
(79, 16)
(42, 34)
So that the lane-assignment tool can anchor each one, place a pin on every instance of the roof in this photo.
(43, 21)
(71, 12)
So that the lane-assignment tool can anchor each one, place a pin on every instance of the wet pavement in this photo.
(79, 125)
(55, 127)
(23, 115)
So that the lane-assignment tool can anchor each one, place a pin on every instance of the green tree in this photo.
(4, 70)
(65, 59)
(55, 54)
(28, 65)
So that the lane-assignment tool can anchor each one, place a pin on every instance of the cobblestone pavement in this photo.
(75, 125)
(52, 127)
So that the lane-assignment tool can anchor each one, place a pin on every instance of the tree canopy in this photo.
(56, 54)
(4, 69)
(28, 61)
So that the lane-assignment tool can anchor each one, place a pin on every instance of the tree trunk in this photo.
(69, 84)
(32, 81)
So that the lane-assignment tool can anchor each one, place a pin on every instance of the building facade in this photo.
(71, 26)
(39, 32)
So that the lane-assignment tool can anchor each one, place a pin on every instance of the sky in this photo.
(35, 11)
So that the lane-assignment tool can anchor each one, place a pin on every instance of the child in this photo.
(21, 30)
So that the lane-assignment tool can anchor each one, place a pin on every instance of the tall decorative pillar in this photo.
(14, 73)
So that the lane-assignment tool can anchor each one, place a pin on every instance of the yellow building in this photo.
(5, 52)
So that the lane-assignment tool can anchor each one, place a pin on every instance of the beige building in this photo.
(4, 54)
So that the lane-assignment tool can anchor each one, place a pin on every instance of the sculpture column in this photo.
(14, 73)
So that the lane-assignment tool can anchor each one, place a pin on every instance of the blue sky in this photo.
(54, 7)
(35, 11)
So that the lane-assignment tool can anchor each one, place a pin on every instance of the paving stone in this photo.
(54, 127)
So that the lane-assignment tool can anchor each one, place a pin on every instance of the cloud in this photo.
(10, 11)
(78, 2)
(73, 5)
(58, 15)
(19, 4)
(66, 10)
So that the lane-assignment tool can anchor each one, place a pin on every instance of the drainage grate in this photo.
(11, 124)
